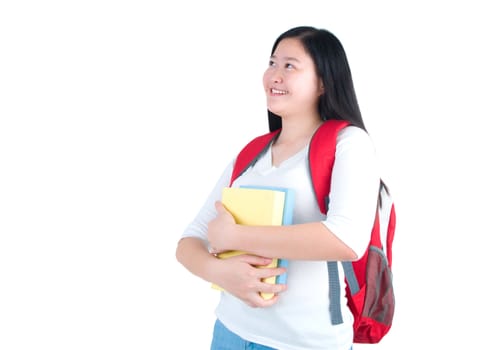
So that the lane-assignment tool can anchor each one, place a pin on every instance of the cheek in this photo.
(265, 78)
(315, 88)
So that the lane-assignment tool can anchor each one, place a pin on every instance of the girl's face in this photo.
(291, 84)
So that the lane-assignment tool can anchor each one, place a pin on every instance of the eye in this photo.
(289, 66)
(271, 63)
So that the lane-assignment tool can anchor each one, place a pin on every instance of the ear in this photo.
(321, 87)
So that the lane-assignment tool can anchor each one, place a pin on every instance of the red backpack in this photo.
(369, 287)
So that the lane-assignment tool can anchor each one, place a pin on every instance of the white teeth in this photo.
(280, 92)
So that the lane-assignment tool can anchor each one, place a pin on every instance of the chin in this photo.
(274, 109)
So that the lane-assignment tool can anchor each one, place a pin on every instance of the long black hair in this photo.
(339, 99)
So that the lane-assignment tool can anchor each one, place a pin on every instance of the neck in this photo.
(298, 130)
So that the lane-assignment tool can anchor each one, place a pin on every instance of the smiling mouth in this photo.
(278, 92)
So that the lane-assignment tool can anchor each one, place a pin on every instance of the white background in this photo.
(117, 117)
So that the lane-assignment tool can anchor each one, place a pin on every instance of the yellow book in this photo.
(255, 207)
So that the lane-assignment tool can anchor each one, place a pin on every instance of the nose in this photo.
(277, 76)
(273, 75)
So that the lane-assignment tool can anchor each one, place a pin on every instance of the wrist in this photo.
(236, 237)
(211, 268)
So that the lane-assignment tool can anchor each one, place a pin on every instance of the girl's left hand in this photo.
(221, 230)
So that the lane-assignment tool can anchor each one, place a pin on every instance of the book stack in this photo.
(259, 206)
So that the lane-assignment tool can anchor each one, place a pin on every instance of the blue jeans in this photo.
(224, 339)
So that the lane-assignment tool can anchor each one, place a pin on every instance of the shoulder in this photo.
(352, 131)
(355, 139)
(354, 134)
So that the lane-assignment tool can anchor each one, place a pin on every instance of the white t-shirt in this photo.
(300, 320)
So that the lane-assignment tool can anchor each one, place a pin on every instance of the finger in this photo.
(269, 302)
(219, 206)
(258, 300)
(256, 260)
(269, 289)
(264, 273)
(269, 296)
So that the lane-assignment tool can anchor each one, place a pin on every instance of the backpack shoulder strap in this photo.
(387, 218)
(250, 153)
(322, 152)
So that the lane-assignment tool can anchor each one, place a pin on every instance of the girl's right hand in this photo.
(242, 276)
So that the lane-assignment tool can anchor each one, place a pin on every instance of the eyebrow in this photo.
(286, 58)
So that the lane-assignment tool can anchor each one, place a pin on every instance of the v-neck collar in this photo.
(265, 164)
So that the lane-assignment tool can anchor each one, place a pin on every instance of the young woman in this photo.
(307, 82)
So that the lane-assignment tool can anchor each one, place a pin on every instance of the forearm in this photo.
(310, 241)
(193, 255)
(240, 275)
